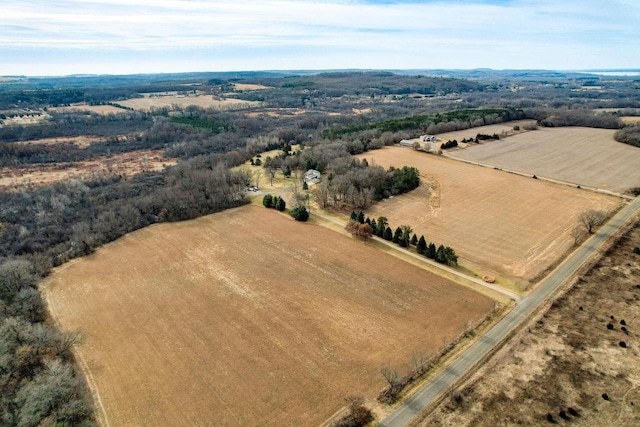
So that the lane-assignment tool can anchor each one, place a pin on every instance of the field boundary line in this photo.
(101, 417)
(541, 178)
(512, 295)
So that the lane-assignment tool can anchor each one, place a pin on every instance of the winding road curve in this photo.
(471, 357)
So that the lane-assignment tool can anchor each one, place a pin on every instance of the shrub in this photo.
(299, 213)
(267, 201)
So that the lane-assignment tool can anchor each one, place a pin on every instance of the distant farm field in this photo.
(584, 156)
(247, 317)
(500, 128)
(505, 224)
(98, 109)
(148, 103)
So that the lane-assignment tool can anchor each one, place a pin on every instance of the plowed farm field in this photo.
(583, 156)
(247, 317)
(501, 224)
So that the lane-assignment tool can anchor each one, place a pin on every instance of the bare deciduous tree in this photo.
(593, 218)
(577, 233)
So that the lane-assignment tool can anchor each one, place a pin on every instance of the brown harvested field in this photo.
(501, 224)
(98, 109)
(585, 156)
(148, 103)
(127, 164)
(247, 317)
(630, 119)
(500, 128)
(567, 359)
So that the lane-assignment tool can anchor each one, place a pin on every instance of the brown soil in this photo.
(569, 358)
(247, 317)
(504, 225)
(584, 156)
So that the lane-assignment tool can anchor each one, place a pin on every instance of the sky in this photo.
(62, 37)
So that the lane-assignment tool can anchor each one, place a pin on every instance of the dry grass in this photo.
(585, 156)
(127, 164)
(247, 317)
(501, 224)
(82, 141)
(248, 86)
(630, 119)
(148, 103)
(568, 359)
(98, 109)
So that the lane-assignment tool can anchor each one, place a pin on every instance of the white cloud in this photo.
(356, 33)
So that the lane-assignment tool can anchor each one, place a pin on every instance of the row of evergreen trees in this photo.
(403, 236)
(275, 202)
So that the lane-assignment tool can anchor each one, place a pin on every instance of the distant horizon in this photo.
(125, 37)
(597, 71)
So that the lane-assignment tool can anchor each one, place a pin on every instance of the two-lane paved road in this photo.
(474, 354)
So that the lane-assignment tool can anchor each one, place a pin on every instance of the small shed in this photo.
(312, 176)
(407, 143)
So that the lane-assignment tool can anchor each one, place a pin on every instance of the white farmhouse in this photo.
(312, 176)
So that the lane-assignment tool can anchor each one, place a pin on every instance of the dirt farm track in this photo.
(247, 317)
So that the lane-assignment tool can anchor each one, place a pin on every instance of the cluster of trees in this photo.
(274, 202)
(629, 135)
(38, 383)
(365, 227)
(449, 144)
(433, 123)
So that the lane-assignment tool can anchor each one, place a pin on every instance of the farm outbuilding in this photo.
(312, 176)
(428, 138)
(407, 143)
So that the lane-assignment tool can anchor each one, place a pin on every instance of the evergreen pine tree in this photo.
(388, 234)
(354, 216)
(421, 247)
(441, 256)
(431, 252)
(397, 236)
(361, 217)
(414, 240)
(267, 201)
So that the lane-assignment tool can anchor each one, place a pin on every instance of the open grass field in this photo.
(630, 119)
(148, 103)
(249, 86)
(569, 358)
(98, 109)
(247, 317)
(584, 156)
(82, 141)
(127, 164)
(501, 224)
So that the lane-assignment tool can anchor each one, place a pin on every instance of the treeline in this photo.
(629, 135)
(433, 123)
(365, 227)
(38, 383)
(74, 124)
(54, 224)
(579, 117)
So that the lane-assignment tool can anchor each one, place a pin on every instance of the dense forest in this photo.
(329, 117)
